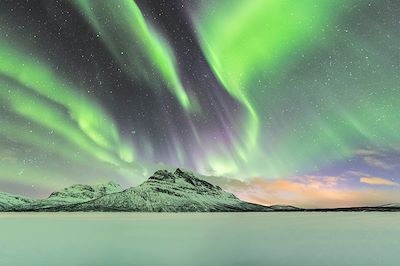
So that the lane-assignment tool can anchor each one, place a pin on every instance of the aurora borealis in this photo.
(285, 101)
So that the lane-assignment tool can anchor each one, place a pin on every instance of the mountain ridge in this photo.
(164, 191)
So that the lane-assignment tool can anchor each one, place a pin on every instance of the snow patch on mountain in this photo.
(9, 202)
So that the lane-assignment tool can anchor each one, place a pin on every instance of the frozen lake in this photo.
(200, 239)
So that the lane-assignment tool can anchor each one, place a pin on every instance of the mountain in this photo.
(75, 194)
(165, 191)
(391, 205)
(10, 202)
(69, 195)
(284, 208)
(79, 193)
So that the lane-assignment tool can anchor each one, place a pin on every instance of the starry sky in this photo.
(278, 101)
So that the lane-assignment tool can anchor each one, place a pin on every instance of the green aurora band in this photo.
(46, 104)
(135, 45)
(314, 86)
(252, 47)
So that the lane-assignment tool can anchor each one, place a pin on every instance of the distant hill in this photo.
(392, 205)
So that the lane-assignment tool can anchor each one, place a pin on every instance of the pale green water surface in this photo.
(200, 239)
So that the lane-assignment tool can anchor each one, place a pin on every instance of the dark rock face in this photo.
(192, 179)
(163, 175)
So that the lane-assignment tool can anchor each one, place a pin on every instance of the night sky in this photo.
(294, 102)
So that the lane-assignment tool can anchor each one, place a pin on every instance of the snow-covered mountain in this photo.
(10, 202)
(75, 194)
(165, 191)
(69, 195)
(79, 193)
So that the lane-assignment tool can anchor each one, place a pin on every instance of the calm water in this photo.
(200, 239)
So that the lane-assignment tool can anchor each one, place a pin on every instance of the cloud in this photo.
(378, 181)
(385, 159)
(354, 173)
(366, 152)
(310, 191)
(378, 163)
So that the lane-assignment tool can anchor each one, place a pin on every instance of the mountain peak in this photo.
(182, 176)
(163, 175)
(178, 172)
(110, 186)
